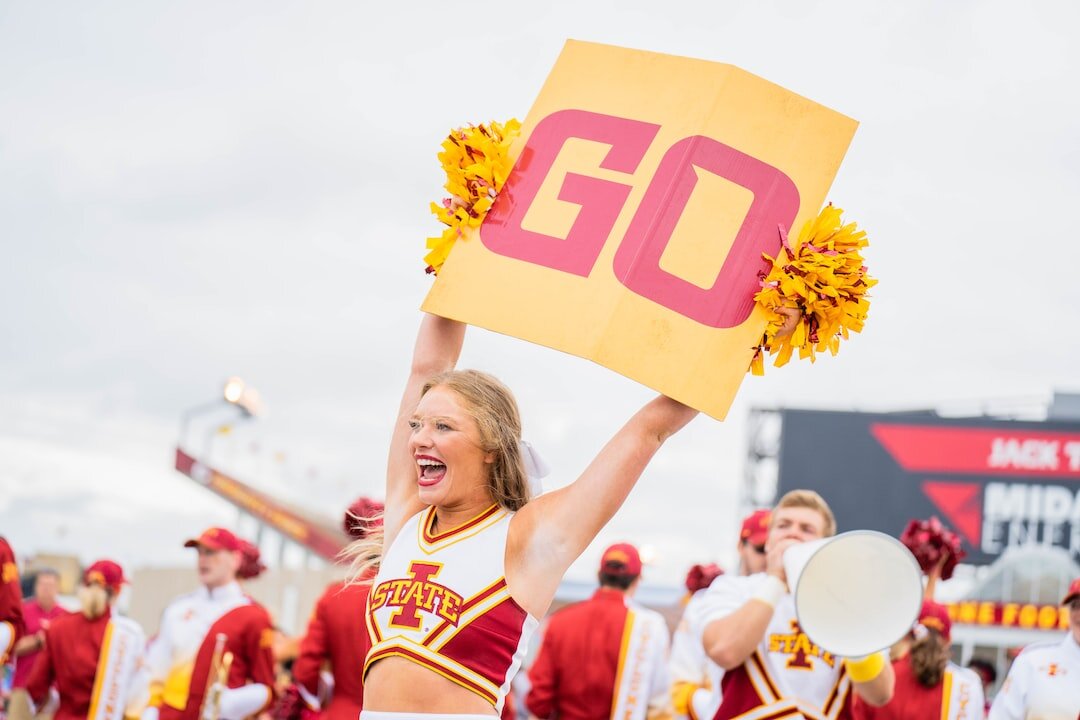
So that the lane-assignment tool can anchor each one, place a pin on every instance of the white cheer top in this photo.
(440, 600)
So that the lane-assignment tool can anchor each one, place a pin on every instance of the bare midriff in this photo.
(395, 684)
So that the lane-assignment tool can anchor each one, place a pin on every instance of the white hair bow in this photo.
(535, 467)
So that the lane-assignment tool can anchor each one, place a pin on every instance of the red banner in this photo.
(929, 448)
(322, 539)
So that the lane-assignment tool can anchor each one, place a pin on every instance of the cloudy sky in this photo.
(194, 190)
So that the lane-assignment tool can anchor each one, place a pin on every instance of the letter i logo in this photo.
(421, 574)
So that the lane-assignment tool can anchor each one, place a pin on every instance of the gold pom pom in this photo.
(823, 276)
(476, 161)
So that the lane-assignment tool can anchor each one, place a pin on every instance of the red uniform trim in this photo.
(429, 520)
(836, 690)
(485, 648)
(468, 604)
(430, 664)
(756, 659)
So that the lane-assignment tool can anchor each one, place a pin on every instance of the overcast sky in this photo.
(194, 190)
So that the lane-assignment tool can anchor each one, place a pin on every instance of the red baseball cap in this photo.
(1072, 593)
(935, 616)
(621, 559)
(216, 538)
(106, 573)
(755, 527)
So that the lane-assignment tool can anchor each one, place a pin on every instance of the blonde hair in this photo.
(810, 499)
(492, 406)
(364, 554)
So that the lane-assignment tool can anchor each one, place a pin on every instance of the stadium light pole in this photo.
(236, 393)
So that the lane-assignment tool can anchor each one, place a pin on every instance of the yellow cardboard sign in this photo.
(630, 232)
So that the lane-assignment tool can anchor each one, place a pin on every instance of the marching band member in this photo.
(604, 657)
(693, 675)
(749, 628)
(38, 613)
(337, 633)
(92, 656)
(185, 622)
(11, 616)
(233, 675)
(695, 680)
(470, 560)
(928, 685)
(1044, 680)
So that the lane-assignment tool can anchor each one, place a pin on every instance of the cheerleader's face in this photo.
(451, 465)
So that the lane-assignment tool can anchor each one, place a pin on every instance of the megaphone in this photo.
(855, 593)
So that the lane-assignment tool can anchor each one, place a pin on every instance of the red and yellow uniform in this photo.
(249, 637)
(440, 600)
(70, 659)
(788, 675)
(91, 657)
(11, 616)
(583, 659)
(958, 696)
(184, 626)
(337, 632)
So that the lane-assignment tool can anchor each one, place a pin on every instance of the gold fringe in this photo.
(824, 277)
(476, 161)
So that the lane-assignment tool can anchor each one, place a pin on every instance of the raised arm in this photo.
(438, 345)
(550, 532)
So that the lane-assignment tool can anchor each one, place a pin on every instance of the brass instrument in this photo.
(218, 678)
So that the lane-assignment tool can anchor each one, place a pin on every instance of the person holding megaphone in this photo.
(748, 626)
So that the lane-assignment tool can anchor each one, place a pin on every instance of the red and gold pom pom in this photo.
(935, 547)
(701, 576)
(476, 160)
(823, 276)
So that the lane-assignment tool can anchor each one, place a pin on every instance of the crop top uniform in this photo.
(440, 600)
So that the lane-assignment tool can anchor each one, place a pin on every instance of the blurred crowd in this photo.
(735, 645)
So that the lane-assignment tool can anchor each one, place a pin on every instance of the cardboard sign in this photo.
(630, 232)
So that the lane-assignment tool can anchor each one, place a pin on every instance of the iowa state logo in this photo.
(1053, 670)
(415, 593)
(799, 648)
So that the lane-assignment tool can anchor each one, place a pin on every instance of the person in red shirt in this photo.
(12, 626)
(38, 612)
(603, 657)
(337, 633)
(246, 633)
(927, 684)
(72, 650)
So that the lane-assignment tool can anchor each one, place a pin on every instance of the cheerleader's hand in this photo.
(792, 316)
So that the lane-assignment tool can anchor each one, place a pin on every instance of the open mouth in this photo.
(432, 470)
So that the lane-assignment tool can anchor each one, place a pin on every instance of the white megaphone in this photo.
(856, 593)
